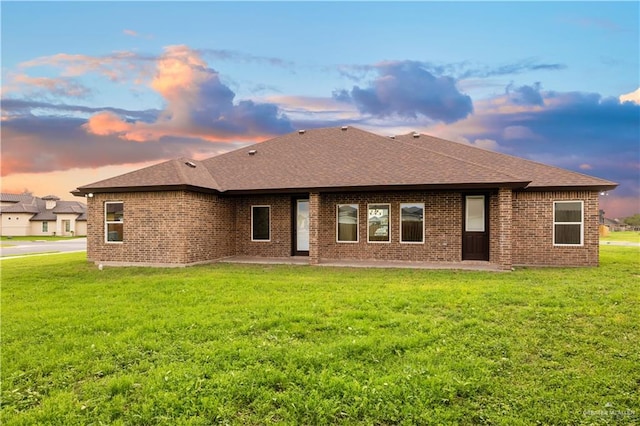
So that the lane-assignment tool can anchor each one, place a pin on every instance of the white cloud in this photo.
(488, 144)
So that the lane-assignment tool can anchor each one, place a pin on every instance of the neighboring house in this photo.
(26, 215)
(615, 224)
(344, 193)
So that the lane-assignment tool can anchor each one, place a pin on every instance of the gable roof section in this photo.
(62, 207)
(347, 158)
(541, 175)
(178, 173)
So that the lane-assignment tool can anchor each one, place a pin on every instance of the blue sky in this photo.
(94, 89)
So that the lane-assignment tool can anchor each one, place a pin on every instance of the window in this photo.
(260, 223)
(378, 223)
(567, 223)
(67, 225)
(45, 226)
(114, 218)
(475, 213)
(412, 222)
(347, 223)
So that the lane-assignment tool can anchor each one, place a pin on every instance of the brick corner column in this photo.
(505, 212)
(314, 228)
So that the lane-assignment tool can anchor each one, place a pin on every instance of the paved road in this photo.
(18, 248)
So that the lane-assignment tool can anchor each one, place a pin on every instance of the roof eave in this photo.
(371, 188)
(85, 191)
(603, 187)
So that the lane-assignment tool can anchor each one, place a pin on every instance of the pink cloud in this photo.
(618, 207)
(43, 86)
(106, 123)
(198, 104)
(117, 66)
(631, 97)
(132, 33)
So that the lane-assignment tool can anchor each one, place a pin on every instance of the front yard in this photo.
(236, 344)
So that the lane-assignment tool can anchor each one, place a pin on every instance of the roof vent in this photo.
(252, 152)
(190, 164)
(344, 127)
(301, 132)
(416, 134)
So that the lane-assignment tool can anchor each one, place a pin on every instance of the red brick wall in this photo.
(533, 230)
(171, 227)
(500, 227)
(208, 226)
(443, 227)
(178, 227)
(314, 228)
(280, 244)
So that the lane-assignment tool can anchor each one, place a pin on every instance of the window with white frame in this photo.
(568, 223)
(260, 223)
(347, 223)
(378, 230)
(45, 226)
(412, 223)
(114, 221)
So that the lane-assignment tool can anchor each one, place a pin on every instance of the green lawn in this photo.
(247, 344)
(630, 236)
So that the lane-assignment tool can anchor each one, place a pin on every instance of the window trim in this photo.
(268, 240)
(388, 223)
(581, 223)
(107, 222)
(423, 224)
(357, 206)
(45, 226)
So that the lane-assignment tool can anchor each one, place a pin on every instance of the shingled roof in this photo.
(540, 175)
(181, 172)
(25, 203)
(348, 158)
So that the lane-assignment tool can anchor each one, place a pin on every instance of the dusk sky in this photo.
(91, 90)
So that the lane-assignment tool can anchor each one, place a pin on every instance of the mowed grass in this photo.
(628, 236)
(247, 344)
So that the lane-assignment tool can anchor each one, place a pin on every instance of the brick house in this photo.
(344, 193)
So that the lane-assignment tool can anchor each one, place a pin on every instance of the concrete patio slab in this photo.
(302, 260)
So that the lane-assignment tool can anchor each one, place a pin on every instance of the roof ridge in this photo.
(216, 184)
(178, 163)
(426, 148)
